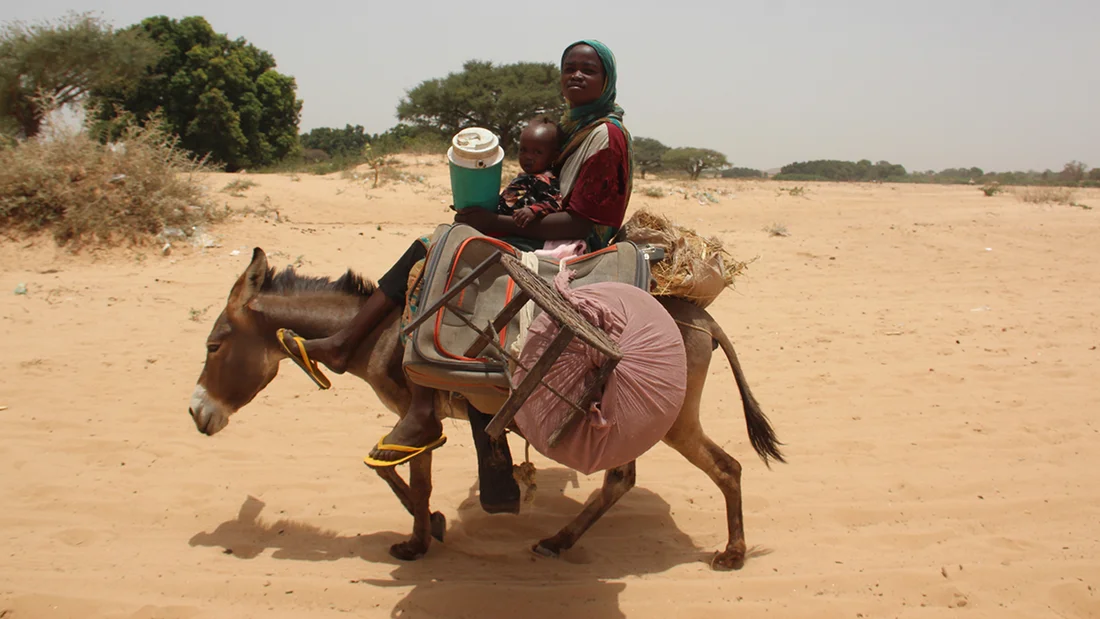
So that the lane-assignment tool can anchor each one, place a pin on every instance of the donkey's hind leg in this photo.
(404, 494)
(688, 438)
(616, 483)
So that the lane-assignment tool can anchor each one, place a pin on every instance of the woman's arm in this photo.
(555, 226)
(598, 197)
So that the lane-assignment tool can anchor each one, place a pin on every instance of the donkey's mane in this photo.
(288, 281)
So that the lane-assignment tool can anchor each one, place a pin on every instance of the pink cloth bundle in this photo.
(641, 399)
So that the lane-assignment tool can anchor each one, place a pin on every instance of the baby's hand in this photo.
(523, 216)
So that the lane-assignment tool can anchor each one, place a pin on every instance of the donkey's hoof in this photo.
(439, 525)
(728, 560)
(407, 551)
(543, 549)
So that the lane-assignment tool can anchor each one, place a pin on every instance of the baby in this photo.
(535, 193)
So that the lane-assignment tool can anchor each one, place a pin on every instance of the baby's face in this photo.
(537, 150)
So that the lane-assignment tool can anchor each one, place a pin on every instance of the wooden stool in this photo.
(572, 324)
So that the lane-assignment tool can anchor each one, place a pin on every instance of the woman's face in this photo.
(582, 76)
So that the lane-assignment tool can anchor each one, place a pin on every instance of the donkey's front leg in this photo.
(420, 492)
(404, 494)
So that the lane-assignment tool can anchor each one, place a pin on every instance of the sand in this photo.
(928, 355)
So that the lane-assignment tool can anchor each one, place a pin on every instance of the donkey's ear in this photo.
(250, 282)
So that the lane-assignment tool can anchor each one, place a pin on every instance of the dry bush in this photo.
(777, 229)
(797, 191)
(237, 187)
(87, 192)
(992, 189)
(1043, 195)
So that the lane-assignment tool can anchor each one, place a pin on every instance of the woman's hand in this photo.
(553, 226)
(483, 220)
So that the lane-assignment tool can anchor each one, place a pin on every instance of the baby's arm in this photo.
(524, 216)
(547, 197)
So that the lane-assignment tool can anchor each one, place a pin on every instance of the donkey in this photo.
(243, 355)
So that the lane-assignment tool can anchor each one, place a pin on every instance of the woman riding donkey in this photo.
(595, 172)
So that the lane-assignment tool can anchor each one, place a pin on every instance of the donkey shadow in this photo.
(640, 524)
(486, 560)
(247, 536)
(489, 570)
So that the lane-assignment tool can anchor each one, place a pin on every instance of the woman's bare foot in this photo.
(337, 350)
(418, 428)
(331, 351)
(409, 432)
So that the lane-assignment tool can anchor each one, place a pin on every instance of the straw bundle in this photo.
(695, 268)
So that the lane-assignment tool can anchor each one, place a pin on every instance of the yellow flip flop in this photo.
(411, 452)
(308, 365)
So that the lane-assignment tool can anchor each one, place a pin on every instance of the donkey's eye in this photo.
(212, 348)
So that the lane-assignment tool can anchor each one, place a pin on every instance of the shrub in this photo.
(410, 141)
(777, 229)
(238, 187)
(796, 191)
(1043, 195)
(302, 165)
(88, 192)
(992, 189)
(798, 177)
(313, 155)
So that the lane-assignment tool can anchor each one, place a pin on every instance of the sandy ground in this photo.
(928, 355)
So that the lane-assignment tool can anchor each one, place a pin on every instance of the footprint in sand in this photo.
(77, 537)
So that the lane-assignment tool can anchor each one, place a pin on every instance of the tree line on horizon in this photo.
(226, 102)
(1073, 173)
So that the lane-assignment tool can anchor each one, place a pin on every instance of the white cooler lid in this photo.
(475, 147)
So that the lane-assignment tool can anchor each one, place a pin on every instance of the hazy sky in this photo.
(1001, 85)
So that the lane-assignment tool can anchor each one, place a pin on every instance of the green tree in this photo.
(497, 97)
(884, 170)
(403, 137)
(694, 161)
(1094, 174)
(823, 169)
(742, 173)
(959, 175)
(222, 97)
(833, 170)
(348, 141)
(1073, 172)
(647, 154)
(54, 64)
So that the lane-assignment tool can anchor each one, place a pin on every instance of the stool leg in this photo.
(530, 382)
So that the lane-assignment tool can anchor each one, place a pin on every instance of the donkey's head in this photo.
(241, 358)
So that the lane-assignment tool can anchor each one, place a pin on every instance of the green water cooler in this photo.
(476, 160)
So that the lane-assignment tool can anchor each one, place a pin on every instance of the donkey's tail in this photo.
(761, 434)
